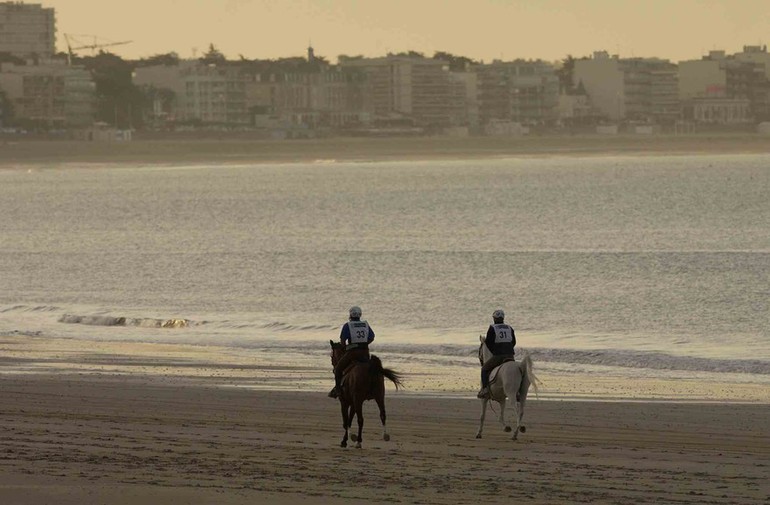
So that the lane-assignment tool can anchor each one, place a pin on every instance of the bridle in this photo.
(336, 353)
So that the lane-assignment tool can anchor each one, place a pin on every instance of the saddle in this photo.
(493, 373)
(354, 363)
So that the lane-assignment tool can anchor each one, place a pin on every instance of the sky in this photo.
(479, 29)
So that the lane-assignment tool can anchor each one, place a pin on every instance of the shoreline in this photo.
(21, 153)
(268, 370)
(79, 439)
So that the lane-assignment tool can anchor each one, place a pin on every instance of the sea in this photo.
(652, 266)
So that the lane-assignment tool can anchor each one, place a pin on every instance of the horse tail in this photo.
(527, 369)
(376, 369)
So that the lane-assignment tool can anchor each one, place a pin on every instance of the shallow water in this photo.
(653, 263)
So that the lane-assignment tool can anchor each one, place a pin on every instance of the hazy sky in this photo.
(480, 29)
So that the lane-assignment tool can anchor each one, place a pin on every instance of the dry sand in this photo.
(80, 438)
(224, 150)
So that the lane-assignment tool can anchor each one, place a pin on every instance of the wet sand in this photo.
(72, 438)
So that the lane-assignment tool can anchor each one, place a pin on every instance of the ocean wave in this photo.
(604, 357)
(286, 327)
(142, 322)
(29, 308)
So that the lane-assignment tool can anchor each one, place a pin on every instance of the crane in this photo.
(73, 39)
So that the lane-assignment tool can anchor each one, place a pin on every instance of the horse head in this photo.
(337, 351)
(482, 356)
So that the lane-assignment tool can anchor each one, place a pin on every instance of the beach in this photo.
(147, 423)
(165, 322)
(235, 149)
(71, 439)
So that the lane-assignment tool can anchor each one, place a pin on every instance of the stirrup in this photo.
(333, 393)
(483, 393)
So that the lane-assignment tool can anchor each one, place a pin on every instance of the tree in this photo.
(167, 59)
(566, 73)
(119, 101)
(456, 63)
(213, 55)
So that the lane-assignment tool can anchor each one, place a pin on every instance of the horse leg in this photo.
(345, 423)
(506, 424)
(350, 414)
(381, 404)
(484, 402)
(522, 397)
(360, 415)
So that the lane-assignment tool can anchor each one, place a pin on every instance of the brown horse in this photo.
(362, 381)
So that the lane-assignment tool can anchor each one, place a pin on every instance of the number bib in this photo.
(359, 332)
(503, 333)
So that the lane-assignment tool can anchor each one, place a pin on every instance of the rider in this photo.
(356, 335)
(500, 341)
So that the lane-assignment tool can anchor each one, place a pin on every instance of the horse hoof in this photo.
(522, 429)
(358, 445)
(386, 437)
(354, 438)
(507, 429)
(343, 444)
(478, 435)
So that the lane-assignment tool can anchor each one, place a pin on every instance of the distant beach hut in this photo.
(611, 129)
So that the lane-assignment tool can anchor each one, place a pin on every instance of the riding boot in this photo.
(333, 393)
(483, 392)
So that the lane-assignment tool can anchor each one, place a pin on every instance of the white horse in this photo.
(509, 380)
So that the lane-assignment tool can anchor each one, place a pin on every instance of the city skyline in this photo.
(482, 30)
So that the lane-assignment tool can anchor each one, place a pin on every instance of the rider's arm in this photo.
(344, 334)
(371, 335)
(490, 340)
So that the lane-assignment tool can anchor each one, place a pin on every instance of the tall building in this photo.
(520, 91)
(213, 94)
(27, 30)
(306, 92)
(636, 89)
(408, 88)
(54, 95)
(725, 86)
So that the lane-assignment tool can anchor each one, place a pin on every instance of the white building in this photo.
(410, 87)
(207, 93)
(706, 77)
(637, 89)
(706, 84)
(49, 95)
(602, 79)
(719, 110)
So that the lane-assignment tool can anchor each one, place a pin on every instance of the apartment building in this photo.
(412, 88)
(50, 95)
(212, 94)
(635, 89)
(197, 92)
(722, 85)
(520, 91)
(310, 93)
(27, 30)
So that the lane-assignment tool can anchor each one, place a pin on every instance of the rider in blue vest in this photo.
(501, 339)
(355, 335)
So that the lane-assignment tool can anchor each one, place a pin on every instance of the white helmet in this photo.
(355, 311)
(498, 314)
